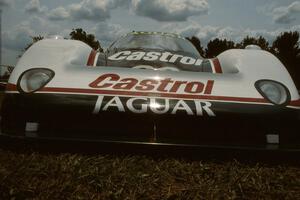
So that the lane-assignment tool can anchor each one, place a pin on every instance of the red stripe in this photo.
(156, 94)
(217, 65)
(91, 59)
(12, 87)
(295, 103)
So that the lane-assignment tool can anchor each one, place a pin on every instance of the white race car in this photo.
(151, 88)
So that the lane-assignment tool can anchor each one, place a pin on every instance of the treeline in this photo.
(285, 47)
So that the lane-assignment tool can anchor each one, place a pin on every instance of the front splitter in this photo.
(267, 153)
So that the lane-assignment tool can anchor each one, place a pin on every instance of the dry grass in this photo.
(73, 176)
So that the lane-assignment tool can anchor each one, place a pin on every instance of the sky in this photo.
(110, 19)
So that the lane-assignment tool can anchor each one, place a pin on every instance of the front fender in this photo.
(255, 65)
(55, 54)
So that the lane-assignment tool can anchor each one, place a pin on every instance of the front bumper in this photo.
(70, 117)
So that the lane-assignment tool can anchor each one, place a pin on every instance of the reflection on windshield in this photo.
(157, 41)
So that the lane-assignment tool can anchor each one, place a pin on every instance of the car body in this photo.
(151, 88)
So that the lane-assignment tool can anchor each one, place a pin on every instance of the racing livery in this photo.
(151, 88)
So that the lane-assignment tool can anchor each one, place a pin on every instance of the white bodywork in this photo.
(241, 69)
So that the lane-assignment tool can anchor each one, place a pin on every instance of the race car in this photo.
(151, 88)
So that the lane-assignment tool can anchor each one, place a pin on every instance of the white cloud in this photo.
(20, 35)
(170, 10)
(286, 14)
(160, 10)
(94, 10)
(34, 6)
(206, 33)
(59, 13)
(90, 10)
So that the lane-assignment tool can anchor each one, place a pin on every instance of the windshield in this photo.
(165, 42)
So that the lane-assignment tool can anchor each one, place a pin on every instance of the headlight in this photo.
(34, 79)
(273, 91)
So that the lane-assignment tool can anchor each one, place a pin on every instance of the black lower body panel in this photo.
(71, 117)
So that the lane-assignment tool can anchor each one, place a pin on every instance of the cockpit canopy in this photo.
(154, 41)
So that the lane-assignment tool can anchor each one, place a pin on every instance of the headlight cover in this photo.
(273, 91)
(34, 79)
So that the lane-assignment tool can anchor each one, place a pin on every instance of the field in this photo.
(32, 174)
(76, 176)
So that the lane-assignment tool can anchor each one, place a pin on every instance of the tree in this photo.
(286, 48)
(196, 42)
(217, 46)
(79, 34)
(260, 41)
(34, 40)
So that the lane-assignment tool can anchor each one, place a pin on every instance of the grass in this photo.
(32, 174)
(74, 176)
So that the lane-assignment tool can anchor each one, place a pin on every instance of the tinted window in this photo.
(164, 42)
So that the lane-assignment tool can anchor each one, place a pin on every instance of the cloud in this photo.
(94, 10)
(89, 10)
(20, 35)
(18, 38)
(4, 3)
(34, 6)
(38, 24)
(59, 13)
(160, 10)
(170, 10)
(206, 33)
(286, 14)
(106, 33)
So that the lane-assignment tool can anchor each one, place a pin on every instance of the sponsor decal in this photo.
(153, 105)
(155, 56)
(168, 85)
